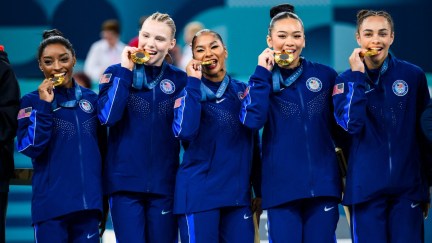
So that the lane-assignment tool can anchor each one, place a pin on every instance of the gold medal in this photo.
(284, 58)
(57, 79)
(140, 57)
(369, 53)
(207, 62)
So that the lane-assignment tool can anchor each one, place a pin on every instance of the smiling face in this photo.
(375, 33)
(208, 47)
(287, 35)
(57, 60)
(157, 39)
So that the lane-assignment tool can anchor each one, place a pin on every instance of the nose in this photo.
(376, 39)
(289, 42)
(150, 43)
(57, 65)
(208, 52)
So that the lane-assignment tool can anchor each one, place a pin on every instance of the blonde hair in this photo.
(164, 18)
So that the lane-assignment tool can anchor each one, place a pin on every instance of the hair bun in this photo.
(50, 33)
(281, 8)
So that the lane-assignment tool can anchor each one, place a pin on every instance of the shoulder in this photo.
(345, 73)
(88, 92)
(113, 68)
(402, 65)
(30, 97)
(322, 68)
(238, 84)
(177, 73)
(176, 69)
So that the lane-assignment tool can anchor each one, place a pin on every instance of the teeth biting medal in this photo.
(284, 58)
(369, 53)
(207, 62)
(57, 79)
(140, 57)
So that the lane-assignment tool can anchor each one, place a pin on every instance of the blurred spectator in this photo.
(83, 79)
(188, 33)
(134, 41)
(9, 106)
(104, 52)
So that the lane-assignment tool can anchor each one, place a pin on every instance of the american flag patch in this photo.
(178, 102)
(105, 78)
(338, 89)
(25, 112)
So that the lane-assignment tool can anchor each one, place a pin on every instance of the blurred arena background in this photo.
(329, 25)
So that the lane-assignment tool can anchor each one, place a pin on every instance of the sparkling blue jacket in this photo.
(388, 154)
(63, 144)
(298, 141)
(217, 164)
(143, 154)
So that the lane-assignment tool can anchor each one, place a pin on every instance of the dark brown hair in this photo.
(111, 25)
(54, 36)
(206, 31)
(283, 11)
(281, 8)
(363, 14)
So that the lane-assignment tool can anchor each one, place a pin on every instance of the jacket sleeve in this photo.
(9, 103)
(255, 104)
(187, 111)
(350, 101)
(424, 113)
(35, 120)
(113, 94)
(341, 138)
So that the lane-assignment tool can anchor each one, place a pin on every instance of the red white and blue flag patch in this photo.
(24, 112)
(105, 78)
(338, 89)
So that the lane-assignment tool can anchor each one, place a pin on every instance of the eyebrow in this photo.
(211, 43)
(160, 36)
(285, 32)
(61, 55)
(380, 30)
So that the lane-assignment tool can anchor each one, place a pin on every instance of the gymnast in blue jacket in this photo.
(291, 97)
(59, 130)
(136, 102)
(379, 101)
(213, 186)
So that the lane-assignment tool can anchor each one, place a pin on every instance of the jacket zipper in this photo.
(81, 160)
(311, 182)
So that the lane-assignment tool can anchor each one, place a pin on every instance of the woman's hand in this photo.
(126, 60)
(46, 90)
(356, 62)
(266, 59)
(193, 69)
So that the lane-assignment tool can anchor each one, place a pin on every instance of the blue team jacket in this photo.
(143, 154)
(63, 145)
(216, 167)
(298, 154)
(388, 155)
